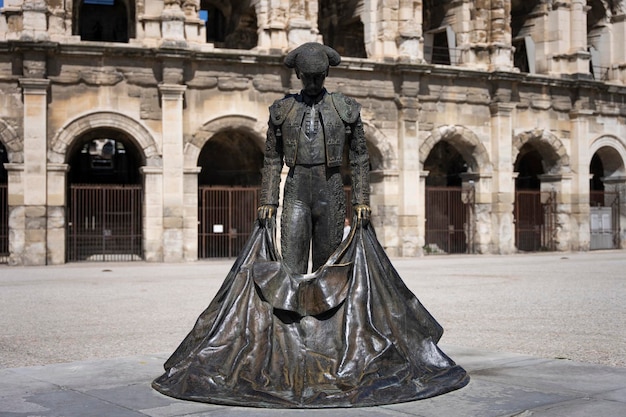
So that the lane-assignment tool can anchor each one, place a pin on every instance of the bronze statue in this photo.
(348, 334)
(308, 131)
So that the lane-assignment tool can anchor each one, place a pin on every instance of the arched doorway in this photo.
(4, 206)
(448, 216)
(228, 185)
(105, 198)
(341, 26)
(607, 177)
(104, 20)
(534, 210)
(230, 24)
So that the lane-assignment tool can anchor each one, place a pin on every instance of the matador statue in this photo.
(308, 131)
(348, 334)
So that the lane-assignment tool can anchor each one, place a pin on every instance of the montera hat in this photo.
(312, 58)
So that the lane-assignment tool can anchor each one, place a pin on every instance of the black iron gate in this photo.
(225, 219)
(535, 220)
(4, 224)
(449, 220)
(104, 223)
(604, 220)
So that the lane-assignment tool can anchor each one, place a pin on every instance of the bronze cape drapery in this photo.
(351, 334)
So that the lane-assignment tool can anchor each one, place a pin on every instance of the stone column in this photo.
(302, 25)
(153, 213)
(190, 214)
(410, 31)
(503, 183)
(410, 188)
(477, 193)
(173, 24)
(568, 53)
(421, 212)
(561, 185)
(579, 164)
(173, 160)
(57, 182)
(34, 20)
(501, 50)
(35, 94)
(272, 21)
(17, 218)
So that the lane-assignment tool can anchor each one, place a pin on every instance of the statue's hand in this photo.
(266, 211)
(363, 213)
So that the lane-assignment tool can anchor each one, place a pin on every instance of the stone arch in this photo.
(386, 158)
(12, 143)
(465, 141)
(550, 148)
(615, 159)
(246, 124)
(74, 129)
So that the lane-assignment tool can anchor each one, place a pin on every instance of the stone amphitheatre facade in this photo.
(493, 126)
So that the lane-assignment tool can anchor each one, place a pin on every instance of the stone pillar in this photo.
(501, 51)
(173, 160)
(57, 186)
(503, 183)
(195, 30)
(190, 214)
(569, 53)
(152, 213)
(17, 218)
(387, 30)
(272, 21)
(578, 32)
(410, 31)
(385, 209)
(35, 95)
(302, 24)
(410, 188)
(173, 24)
(421, 212)
(579, 164)
(477, 193)
(35, 20)
(561, 184)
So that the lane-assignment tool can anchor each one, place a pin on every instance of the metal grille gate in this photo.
(535, 220)
(449, 220)
(604, 220)
(104, 223)
(225, 219)
(4, 224)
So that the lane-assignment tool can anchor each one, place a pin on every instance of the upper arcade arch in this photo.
(104, 20)
(77, 128)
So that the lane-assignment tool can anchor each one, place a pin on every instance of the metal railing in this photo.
(104, 223)
(4, 224)
(449, 220)
(535, 220)
(225, 219)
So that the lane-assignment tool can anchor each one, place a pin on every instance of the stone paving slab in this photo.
(502, 384)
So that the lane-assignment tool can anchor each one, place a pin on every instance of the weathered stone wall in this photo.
(170, 92)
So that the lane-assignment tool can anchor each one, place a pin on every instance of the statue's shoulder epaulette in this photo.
(280, 109)
(348, 108)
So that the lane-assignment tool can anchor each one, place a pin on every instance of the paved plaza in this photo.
(540, 335)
